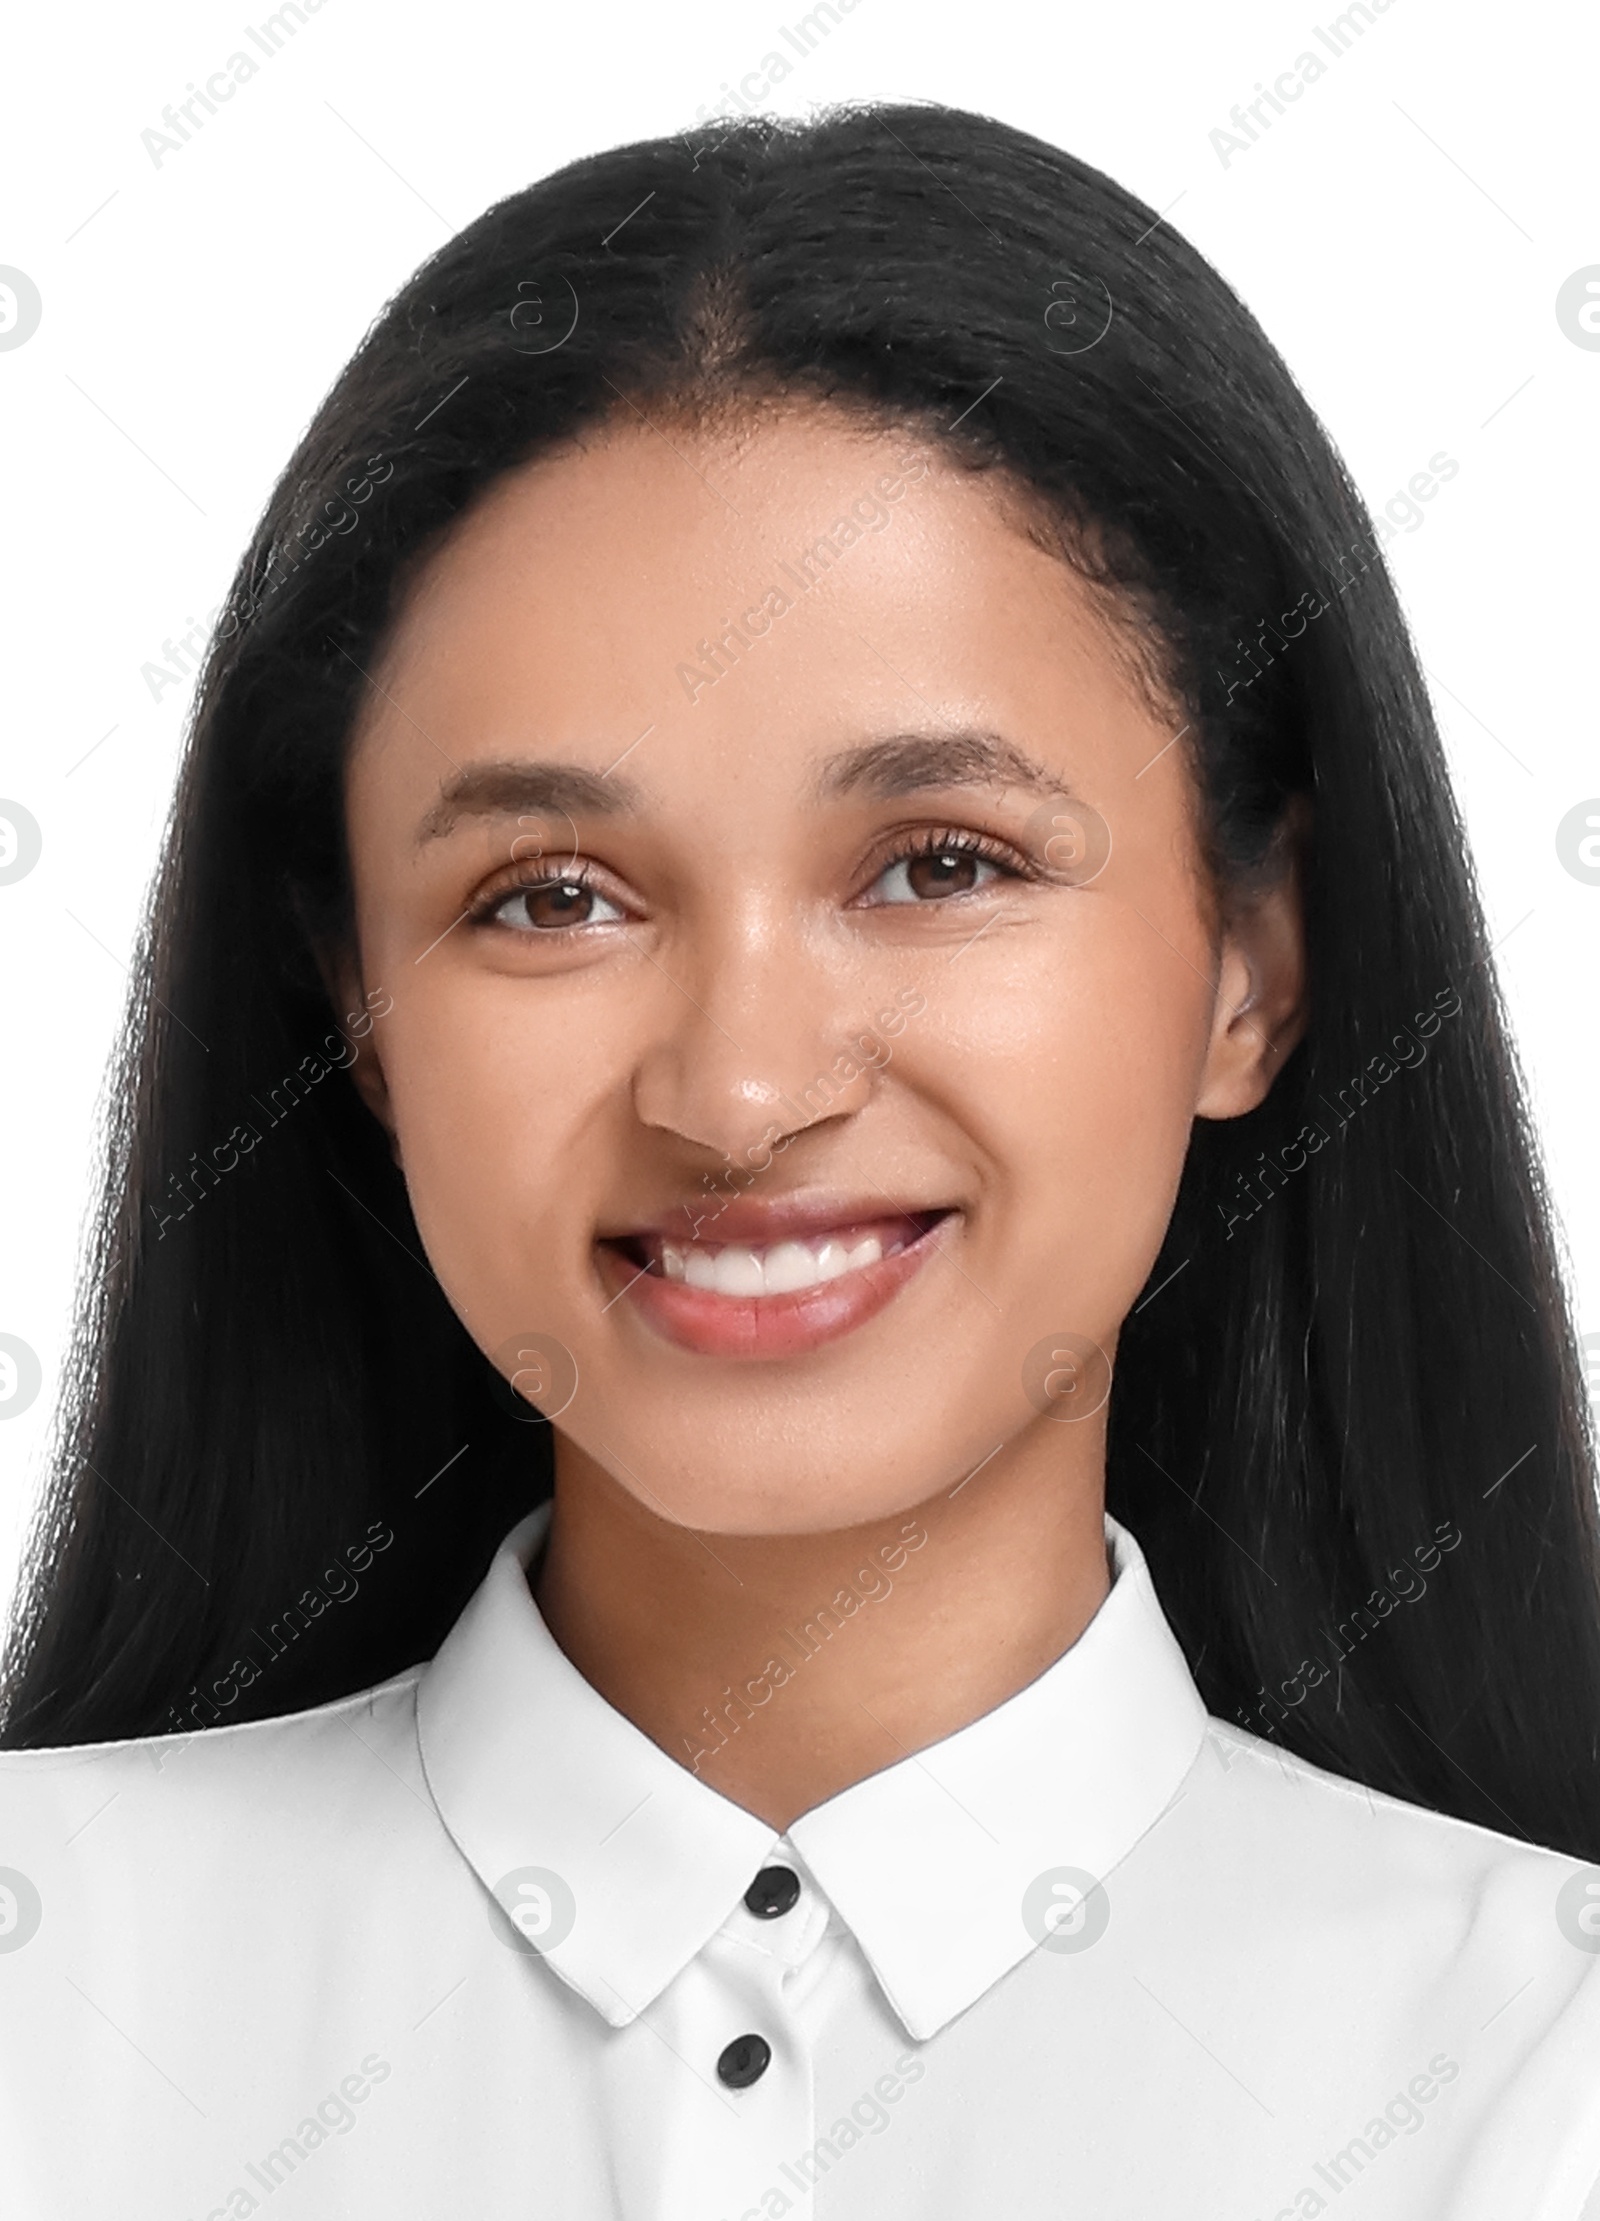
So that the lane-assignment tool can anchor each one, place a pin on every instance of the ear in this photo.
(340, 969)
(1262, 1006)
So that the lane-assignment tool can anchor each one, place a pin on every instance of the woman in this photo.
(819, 729)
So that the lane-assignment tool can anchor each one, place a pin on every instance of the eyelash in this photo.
(484, 908)
(932, 841)
(936, 841)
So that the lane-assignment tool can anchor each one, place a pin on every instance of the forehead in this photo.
(737, 601)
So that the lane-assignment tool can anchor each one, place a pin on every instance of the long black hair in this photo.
(1347, 1424)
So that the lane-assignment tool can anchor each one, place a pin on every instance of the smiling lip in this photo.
(833, 1265)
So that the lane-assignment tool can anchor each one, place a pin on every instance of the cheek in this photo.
(498, 1088)
(1076, 1073)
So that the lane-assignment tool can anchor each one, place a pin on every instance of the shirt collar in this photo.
(530, 1767)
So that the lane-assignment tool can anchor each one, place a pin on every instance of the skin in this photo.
(542, 1084)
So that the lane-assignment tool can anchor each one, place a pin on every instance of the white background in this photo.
(1401, 232)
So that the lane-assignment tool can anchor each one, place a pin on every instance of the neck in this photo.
(782, 1668)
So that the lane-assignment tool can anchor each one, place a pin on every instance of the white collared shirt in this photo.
(469, 1942)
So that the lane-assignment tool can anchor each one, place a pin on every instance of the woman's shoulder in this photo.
(1307, 1834)
(233, 1758)
(1300, 1791)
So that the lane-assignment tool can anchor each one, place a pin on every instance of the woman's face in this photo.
(824, 1135)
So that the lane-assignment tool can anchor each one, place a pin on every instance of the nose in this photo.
(752, 1042)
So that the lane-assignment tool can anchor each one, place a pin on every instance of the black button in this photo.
(744, 2061)
(774, 1890)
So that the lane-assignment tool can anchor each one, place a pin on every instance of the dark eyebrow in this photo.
(517, 789)
(879, 770)
(908, 763)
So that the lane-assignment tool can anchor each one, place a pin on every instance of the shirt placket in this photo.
(715, 2117)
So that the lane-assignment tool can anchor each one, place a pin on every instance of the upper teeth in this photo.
(737, 1269)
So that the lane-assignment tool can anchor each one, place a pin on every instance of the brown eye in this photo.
(549, 904)
(948, 872)
(946, 867)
